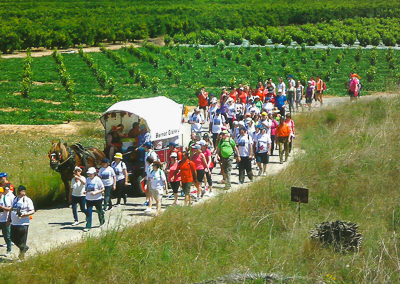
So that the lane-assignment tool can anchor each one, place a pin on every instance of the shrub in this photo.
(181, 60)
(324, 56)
(304, 58)
(248, 61)
(237, 58)
(371, 73)
(155, 81)
(339, 58)
(258, 56)
(389, 40)
(178, 77)
(317, 64)
(197, 54)
(228, 54)
(268, 51)
(167, 39)
(214, 60)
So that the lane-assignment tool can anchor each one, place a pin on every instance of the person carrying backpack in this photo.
(226, 151)
(320, 90)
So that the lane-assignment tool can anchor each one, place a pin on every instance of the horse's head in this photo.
(57, 154)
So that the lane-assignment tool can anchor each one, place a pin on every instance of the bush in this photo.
(371, 73)
(258, 56)
(304, 58)
(237, 58)
(248, 61)
(198, 54)
(228, 54)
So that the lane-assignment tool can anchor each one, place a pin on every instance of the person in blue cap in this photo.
(5, 183)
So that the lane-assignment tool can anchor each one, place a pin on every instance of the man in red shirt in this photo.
(187, 169)
(233, 94)
(203, 101)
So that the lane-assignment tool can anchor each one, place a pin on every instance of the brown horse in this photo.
(64, 159)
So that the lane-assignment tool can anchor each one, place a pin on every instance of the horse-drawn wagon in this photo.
(160, 117)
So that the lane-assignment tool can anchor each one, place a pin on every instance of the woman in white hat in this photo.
(94, 197)
(77, 194)
(174, 180)
(231, 113)
(107, 175)
(121, 175)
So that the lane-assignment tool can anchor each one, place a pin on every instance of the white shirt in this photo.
(244, 143)
(6, 200)
(78, 188)
(217, 123)
(107, 175)
(231, 111)
(157, 179)
(268, 107)
(262, 142)
(239, 109)
(254, 110)
(119, 169)
(293, 83)
(212, 110)
(198, 119)
(152, 154)
(267, 123)
(94, 184)
(282, 86)
(23, 204)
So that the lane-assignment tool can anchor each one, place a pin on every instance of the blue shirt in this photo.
(143, 138)
(280, 101)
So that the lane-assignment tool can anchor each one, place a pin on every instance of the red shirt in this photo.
(172, 170)
(233, 95)
(7, 184)
(243, 97)
(203, 101)
(187, 169)
(169, 152)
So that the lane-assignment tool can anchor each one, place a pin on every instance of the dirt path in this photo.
(52, 228)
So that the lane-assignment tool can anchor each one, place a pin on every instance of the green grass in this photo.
(92, 100)
(350, 164)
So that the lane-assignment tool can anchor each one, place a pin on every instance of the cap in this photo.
(196, 146)
(172, 144)
(225, 131)
(243, 128)
(241, 123)
(3, 175)
(218, 111)
(264, 113)
(203, 142)
(174, 155)
(118, 156)
(205, 135)
(223, 88)
(235, 122)
(279, 90)
(248, 119)
(148, 145)
(212, 94)
(196, 109)
(105, 160)
(214, 100)
(251, 99)
(142, 127)
(224, 128)
(21, 188)
(256, 97)
(77, 168)
(309, 82)
(91, 170)
(241, 88)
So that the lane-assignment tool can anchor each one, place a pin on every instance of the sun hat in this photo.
(91, 171)
(77, 168)
(174, 155)
(118, 156)
(3, 175)
(203, 142)
(241, 123)
(105, 160)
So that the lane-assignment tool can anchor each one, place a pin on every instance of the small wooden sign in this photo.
(299, 194)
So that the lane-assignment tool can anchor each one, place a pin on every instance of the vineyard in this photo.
(79, 86)
(62, 24)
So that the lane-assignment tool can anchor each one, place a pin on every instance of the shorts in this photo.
(203, 107)
(262, 158)
(156, 193)
(308, 100)
(186, 187)
(175, 186)
(200, 175)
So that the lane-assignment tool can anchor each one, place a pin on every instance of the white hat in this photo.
(223, 87)
(235, 122)
(279, 90)
(248, 119)
(241, 123)
(196, 109)
(174, 155)
(256, 97)
(203, 142)
(77, 168)
(241, 88)
(91, 170)
(214, 100)
(309, 82)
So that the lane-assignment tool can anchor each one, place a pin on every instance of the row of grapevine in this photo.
(105, 82)
(27, 74)
(117, 58)
(66, 80)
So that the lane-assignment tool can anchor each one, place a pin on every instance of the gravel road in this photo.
(52, 228)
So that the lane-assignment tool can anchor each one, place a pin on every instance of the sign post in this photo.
(299, 195)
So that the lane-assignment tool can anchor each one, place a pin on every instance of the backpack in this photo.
(323, 86)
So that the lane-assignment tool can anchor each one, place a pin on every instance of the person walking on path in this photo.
(77, 194)
(289, 121)
(216, 124)
(263, 150)
(280, 102)
(283, 138)
(309, 94)
(6, 201)
(205, 149)
(299, 95)
(107, 175)
(245, 148)
(226, 151)
(94, 197)
(203, 101)
(158, 183)
(274, 126)
(201, 164)
(175, 182)
(187, 169)
(121, 176)
(320, 90)
(148, 147)
(19, 218)
(196, 120)
(290, 97)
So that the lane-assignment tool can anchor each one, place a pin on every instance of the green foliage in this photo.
(228, 54)
(371, 73)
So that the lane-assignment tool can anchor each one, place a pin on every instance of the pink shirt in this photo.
(274, 125)
(198, 161)
(172, 170)
(207, 154)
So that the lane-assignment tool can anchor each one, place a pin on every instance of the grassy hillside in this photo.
(350, 164)
(177, 72)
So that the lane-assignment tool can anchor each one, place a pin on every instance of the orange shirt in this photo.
(233, 95)
(261, 95)
(319, 85)
(243, 97)
(203, 99)
(283, 130)
(187, 169)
